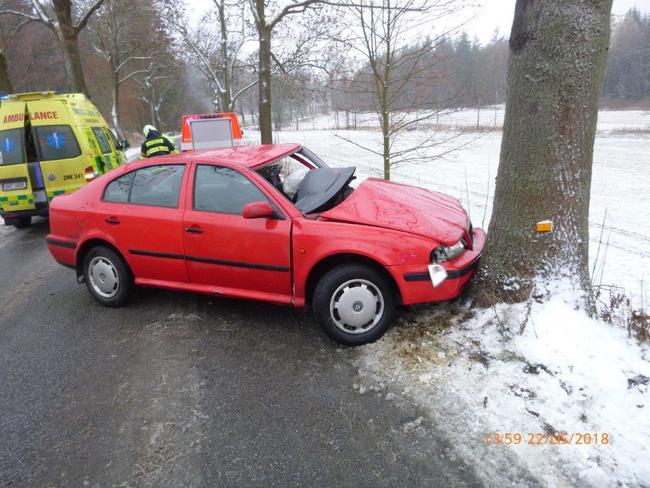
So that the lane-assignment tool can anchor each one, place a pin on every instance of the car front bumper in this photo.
(414, 281)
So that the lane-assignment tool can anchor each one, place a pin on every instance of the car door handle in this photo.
(112, 220)
(194, 229)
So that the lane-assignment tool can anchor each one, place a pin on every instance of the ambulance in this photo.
(50, 145)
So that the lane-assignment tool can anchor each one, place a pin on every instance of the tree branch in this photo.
(21, 14)
(241, 92)
(132, 58)
(84, 20)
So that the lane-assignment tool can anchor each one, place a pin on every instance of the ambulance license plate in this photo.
(14, 185)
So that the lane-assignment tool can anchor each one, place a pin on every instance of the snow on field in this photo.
(486, 118)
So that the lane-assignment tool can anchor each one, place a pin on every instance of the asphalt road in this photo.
(187, 390)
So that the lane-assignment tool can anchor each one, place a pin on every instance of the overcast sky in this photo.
(491, 15)
(495, 14)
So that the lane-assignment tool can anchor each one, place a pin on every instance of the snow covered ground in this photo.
(556, 377)
(487, 117)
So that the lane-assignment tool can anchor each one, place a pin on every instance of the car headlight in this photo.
(445, 253)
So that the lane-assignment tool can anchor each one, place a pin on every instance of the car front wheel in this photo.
(354, 304)
(107, 277)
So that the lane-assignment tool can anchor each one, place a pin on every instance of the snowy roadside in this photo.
(556, 377)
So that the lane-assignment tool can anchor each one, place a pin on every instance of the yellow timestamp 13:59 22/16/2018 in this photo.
(546, 439)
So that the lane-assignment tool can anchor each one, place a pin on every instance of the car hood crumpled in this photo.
(405, 208)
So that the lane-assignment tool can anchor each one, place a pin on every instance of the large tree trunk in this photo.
(558, 51)
(67, 35)
(265, 117)
(5, 80)
(72, 61)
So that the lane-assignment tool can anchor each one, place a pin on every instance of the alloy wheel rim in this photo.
(356, 306)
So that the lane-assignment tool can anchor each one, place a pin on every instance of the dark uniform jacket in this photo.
(156, 145)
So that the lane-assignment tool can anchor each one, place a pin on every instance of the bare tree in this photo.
(266, 23)
(557, 59)
(398, 72)
(156, 83)
(216, 51)
(59, 17)
(121, 42)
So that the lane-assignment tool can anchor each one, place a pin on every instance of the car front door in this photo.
(241, 257)
(142, 211)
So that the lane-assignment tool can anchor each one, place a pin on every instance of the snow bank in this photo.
(555, 372)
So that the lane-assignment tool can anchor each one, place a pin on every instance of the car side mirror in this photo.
(258, 210)
(123, 145)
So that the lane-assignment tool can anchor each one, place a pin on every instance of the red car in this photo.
(270, 223)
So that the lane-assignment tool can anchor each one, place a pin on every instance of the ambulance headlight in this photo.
(446, 253)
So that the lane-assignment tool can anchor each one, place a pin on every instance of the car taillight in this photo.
(89, 173)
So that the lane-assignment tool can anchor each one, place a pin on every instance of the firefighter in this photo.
(156, 144)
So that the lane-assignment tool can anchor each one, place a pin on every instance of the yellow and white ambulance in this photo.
(50, 144)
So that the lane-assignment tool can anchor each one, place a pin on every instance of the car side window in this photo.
(157, 186)
(118, 190)
(223, 190)
(102, 140)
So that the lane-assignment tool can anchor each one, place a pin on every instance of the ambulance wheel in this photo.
(22, 222)
(107, 277)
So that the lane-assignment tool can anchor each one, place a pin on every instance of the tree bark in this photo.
(67, 35)
(225, 96)
(5, 80)
(558, 51)
(72, 61)
(266, 117)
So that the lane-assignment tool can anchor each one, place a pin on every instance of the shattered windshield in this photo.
(310, 189)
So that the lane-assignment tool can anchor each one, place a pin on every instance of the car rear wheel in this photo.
(21, 222)
(354, 304)
(108, 279)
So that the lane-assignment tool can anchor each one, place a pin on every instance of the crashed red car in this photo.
(270, 223)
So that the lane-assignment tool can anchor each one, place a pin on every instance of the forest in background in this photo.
(162, 64)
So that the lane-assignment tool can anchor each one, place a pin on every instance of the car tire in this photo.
(22, 222)
(354, 304)
(107, 277)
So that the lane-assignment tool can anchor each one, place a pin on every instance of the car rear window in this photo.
(223, 190)
(118, 190)
(56, 142)
(12, 146)
(102, 140)
(157, 186)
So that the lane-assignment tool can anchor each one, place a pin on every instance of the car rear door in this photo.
(15, 180)
(142, 211)
(241, 257)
